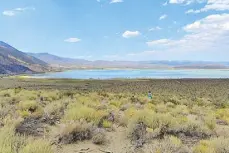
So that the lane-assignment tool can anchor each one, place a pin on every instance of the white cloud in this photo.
(129, 34)
(192, 11)
(116, 1)
(208, 34)
(157, 42)
(217, 5)
(15, 11)
(8, 13)
(163, 17)
(155, 28)
(72, 40)
(186, 2)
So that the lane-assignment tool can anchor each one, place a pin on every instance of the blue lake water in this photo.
(112, 74)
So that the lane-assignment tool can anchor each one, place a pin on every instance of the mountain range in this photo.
(13, 61)
(81, 63)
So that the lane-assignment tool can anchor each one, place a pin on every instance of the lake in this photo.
(156, 74)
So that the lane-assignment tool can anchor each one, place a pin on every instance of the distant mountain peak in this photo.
(6, 45)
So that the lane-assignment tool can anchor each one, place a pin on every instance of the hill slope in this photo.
(13, 61)
(56, 60)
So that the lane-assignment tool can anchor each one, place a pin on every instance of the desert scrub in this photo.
(146, 116)
(161, 108)
(116, 103)
(151, 119)
(76, 131)
(37, 146)
(169, 144)
(7, 110)
(210, 121)
(70, 94)
(27, 95)
(27, 108)
(197, 110)
(88, 100)
(173, 100)
(223, 114)
(179, 110)
(6, 93)
(158, 123)
(9, 141)
(149, 106)
(143, 100)
(107, 124)
(215, 145)
(49, 95)
(54, 108)
(192, 128)
(99, 137)
(201, 102)
(125, 117)
(130, 112)
(78, 111)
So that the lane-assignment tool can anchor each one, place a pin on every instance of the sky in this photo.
(119, 29)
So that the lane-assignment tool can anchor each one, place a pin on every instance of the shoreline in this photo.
(33, 75)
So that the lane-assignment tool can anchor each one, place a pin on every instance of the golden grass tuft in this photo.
(37, 146)
(215, 145)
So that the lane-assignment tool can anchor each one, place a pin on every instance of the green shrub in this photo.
(107, 124)
(116, 104)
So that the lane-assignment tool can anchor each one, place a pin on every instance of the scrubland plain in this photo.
(60, 116)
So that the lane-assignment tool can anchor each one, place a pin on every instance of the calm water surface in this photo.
(112, 74)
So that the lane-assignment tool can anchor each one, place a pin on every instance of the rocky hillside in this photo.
(13, 61)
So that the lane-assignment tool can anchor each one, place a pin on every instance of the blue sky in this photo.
(119, 29)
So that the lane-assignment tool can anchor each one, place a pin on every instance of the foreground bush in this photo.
(99, 137)
(169, 144)
(216, 145)
(28, 108)
(9, 141)
(223, 114)
(73, 132)
(78, 111)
